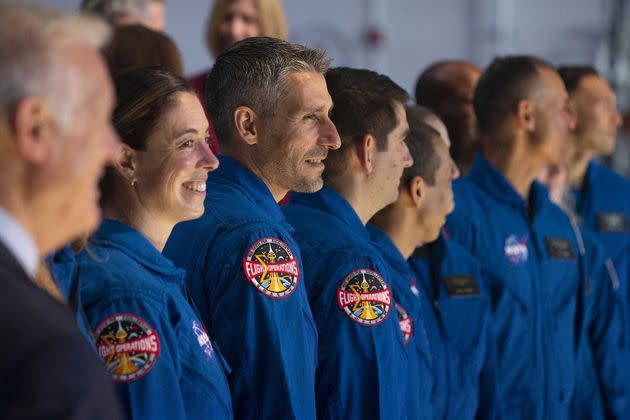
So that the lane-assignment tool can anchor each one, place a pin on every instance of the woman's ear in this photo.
(126, 164)
(417, 191)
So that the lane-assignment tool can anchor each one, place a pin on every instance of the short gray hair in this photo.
(253, 73)
(31, 42)
(111, 10)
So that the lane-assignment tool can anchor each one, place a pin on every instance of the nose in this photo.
(618, 119)
(407, 159)
(207, 159)
(237, 28)
(329, 137)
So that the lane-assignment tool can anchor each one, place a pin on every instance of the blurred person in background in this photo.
(598, 196)
(530, 248)
(55, 140)
(446, 87)
(149, 13)
(143, 323)
(134, 46)
(230, 21)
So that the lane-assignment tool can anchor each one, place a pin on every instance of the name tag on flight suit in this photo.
(458, 286)
(560, 249)
(612, 222)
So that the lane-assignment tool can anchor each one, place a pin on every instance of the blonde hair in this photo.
(271, 20)
(32, 40)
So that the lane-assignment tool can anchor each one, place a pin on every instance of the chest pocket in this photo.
(204, 387)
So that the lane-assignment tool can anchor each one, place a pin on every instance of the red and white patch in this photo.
(405, 323)
(272, 268)
(365, 297)
(128, 346)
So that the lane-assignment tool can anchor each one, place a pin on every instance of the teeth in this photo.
(196, 186)
(314, 160)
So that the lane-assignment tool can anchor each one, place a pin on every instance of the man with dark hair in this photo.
(269, 101)
(362, 362)
(530, 247)
(446, 87)
(599, 196)
(440, 289)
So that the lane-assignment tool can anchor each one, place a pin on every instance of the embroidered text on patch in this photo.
(272, 268)
(128, 346)
(365, 297)
(405, 323)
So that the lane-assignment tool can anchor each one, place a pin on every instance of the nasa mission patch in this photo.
(515, 250)
(365, 297)
(272, 268)
(128, 346)
(405, 323)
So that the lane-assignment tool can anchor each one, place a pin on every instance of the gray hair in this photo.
(32, 40)
(253, 73)
(111, 10)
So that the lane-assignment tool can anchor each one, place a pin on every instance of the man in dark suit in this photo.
(55, 137)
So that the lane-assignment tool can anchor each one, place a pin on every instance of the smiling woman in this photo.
(145, 329)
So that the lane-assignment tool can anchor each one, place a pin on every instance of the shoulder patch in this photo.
(202, 339)
(271, 267)
(365, 297)
(405, 322)
(128, 346)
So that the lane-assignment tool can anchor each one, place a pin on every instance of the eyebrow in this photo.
(190, 131)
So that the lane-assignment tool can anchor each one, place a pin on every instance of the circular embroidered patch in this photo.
(405, 323)
(271, 267)
(364, 297)
(128, 346)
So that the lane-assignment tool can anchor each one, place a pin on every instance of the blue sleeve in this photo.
(361, 369)
(267, 335)
(605, 325)
(139, 349)
(489, 407)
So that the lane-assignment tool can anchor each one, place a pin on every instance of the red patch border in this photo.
(157, 338)
(389, 291)
(265, 292)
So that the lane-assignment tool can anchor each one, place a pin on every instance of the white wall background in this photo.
(415, 32)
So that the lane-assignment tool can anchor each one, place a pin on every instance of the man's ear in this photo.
(417, 190)
(525, 115)
(126, 163)
(366, 152)
(34, 129)
(245, 121)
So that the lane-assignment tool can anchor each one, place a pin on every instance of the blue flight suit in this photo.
(245, 274)
(603, 204)
(361, 355)
(418, 403)
(62, 265)
(456, 304)
(530, 250)
(601, 390)
(146, 330)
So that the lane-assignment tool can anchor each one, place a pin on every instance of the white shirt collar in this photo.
(19, 242)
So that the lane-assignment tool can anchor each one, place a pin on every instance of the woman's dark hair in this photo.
(143, 97)
(136, 46)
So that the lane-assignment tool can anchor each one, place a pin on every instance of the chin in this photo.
(308, 185)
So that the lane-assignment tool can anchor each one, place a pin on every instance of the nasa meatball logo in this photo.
(406, 325)
(516, 250)
(202, 339)
(365, 297)
(128, 346)
(271, 267)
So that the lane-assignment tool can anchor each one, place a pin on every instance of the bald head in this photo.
(447, 87)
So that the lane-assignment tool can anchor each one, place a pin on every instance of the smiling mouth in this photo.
(199, 187)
